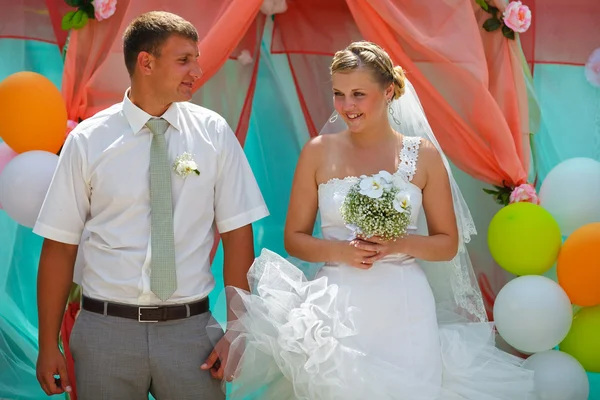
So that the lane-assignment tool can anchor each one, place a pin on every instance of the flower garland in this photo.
(515, 18)
(86, 9)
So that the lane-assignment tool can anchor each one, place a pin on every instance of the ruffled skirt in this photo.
(360, 334)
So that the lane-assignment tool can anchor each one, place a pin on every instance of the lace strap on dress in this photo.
(409, 156)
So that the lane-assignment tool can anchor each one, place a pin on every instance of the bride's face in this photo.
(359, 99)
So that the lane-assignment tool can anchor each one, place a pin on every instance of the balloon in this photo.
(6, 154)
(524, 239)
(583, 340)
(532, 313)
(558, 376)
(570, 193)
(578, 267)
(24, 183)
(33, 115)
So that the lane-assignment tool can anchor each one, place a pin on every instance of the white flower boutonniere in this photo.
(185, 165)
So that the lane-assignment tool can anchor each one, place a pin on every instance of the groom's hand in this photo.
(51, 363)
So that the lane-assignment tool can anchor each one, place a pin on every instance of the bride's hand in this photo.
(358, 253)
(383, 246)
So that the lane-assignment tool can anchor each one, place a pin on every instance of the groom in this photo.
(149, 178)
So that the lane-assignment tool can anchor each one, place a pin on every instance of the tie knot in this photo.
(158, 126)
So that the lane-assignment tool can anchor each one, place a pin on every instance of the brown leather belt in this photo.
(146, 313)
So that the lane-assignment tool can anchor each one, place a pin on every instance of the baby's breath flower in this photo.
(387, 215)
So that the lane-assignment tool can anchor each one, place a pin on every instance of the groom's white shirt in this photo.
(101, 185)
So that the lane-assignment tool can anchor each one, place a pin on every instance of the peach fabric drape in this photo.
(508, 81)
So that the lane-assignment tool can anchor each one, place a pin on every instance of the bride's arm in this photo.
(302, 213)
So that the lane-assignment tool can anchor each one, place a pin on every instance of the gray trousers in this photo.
(118, 358)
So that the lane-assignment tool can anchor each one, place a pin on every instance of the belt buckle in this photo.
(140, 313)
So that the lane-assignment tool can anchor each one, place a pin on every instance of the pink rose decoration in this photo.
(104, 9)
(517, 16)
(592, 68)
(524, 193)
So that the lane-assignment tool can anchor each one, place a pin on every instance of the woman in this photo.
(368, 326)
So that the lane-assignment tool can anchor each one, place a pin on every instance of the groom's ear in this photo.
(145, 62)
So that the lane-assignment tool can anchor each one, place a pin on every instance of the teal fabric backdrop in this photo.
(570, 116)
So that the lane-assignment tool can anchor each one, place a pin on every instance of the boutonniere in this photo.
(185, 165)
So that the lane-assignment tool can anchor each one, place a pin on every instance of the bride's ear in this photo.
(389, 92)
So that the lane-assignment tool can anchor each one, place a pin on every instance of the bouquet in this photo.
(378, 205)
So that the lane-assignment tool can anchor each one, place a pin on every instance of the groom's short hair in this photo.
(149, 31)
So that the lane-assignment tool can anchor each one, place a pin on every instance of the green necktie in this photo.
(163, 276)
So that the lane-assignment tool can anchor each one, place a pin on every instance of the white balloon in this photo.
(570, 193)
(24, 183)
(558, 376)
(533, 313)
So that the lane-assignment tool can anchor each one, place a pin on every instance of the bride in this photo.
(399, 319)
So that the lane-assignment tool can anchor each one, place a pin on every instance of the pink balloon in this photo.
(6, 154)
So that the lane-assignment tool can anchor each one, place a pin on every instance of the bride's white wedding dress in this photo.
(362, 334)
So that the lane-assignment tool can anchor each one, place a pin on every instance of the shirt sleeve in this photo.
(238, 200)
(67, 203)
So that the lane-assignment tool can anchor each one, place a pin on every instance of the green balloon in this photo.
(583, 340)
(524, 239)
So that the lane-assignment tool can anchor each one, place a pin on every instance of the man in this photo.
(147, 178)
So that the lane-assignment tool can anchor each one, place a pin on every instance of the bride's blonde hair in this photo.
(371, 56)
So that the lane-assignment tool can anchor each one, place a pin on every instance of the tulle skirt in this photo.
(360, 334)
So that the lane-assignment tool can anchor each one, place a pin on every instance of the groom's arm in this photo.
(238, 203)
(61, 221)
(238, 250)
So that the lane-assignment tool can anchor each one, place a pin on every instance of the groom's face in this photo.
(359, 99)
(176, 69)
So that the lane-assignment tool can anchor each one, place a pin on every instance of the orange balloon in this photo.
(578, 266)
(33, 115)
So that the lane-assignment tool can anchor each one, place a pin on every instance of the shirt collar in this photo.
(137, 118)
